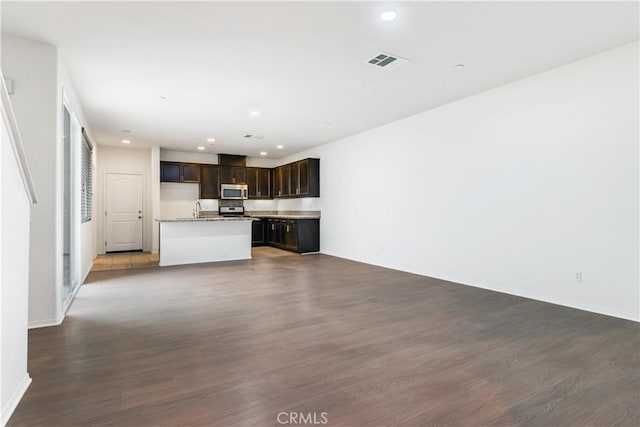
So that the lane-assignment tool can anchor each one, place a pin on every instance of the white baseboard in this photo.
(15, 398)
(70, 300)
(56, 322)
(46, 323)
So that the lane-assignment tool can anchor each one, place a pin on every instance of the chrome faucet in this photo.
(197, 209)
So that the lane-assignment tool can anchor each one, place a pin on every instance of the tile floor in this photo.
(270, 252)
(125, 260)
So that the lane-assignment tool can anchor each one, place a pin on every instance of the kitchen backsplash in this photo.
(179, 200)
(305, 204)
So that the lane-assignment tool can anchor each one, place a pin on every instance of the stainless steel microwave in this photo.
(234, 191)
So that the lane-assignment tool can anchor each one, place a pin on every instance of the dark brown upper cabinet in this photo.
(209, 182)
(190, 172)
(179, 172)
(233, 175)
(259, 183)
(298, 179)
(281, 181)
(170, 172)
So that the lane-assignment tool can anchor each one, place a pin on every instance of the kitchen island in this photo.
(196, 240)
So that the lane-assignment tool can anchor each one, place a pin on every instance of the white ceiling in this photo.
(302, 65)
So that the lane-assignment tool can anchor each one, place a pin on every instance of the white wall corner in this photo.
(155, 199)
(46, 323)
(15, 398)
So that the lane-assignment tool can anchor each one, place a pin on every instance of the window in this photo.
(86, 174)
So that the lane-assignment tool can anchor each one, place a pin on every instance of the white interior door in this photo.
(123, 212)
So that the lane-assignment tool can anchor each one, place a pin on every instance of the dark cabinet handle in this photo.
(140, 217)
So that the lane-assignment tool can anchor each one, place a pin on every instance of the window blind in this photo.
(86, 172)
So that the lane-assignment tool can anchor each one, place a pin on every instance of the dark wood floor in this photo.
(237, 343)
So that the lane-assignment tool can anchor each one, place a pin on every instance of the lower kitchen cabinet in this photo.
(258, 228)
(297, 235)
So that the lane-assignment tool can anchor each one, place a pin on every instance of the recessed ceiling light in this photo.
(388, 15)
(211, 140)
(459, 66)
(263, 153)
(201, 148)
(254, 113)
(279, 147)
(126, 141)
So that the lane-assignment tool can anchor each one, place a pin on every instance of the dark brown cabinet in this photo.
(297, 235)
(303, 178)
(170, 172)
(190, 172)
(209, 182)
(298, 179)
(291, 234)
(179, 172)
(259, 183)
(281, 181)
(274, 232)
(258, 228)
(233, 175)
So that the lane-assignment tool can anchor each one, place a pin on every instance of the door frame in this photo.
(104, 202)
(74, 208)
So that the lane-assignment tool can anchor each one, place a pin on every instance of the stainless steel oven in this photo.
(234, 191)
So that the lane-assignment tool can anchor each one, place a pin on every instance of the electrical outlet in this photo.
(578, 278)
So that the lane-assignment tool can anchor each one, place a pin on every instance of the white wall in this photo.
(14, 281)
(16, 195)
(33, 68)
(210, 158)
(188, 156)
(40, 79)
(178, 200)
(515, 189)
(124, 160)
(155, 198)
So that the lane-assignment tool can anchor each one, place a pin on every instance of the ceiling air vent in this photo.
(387, 61)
